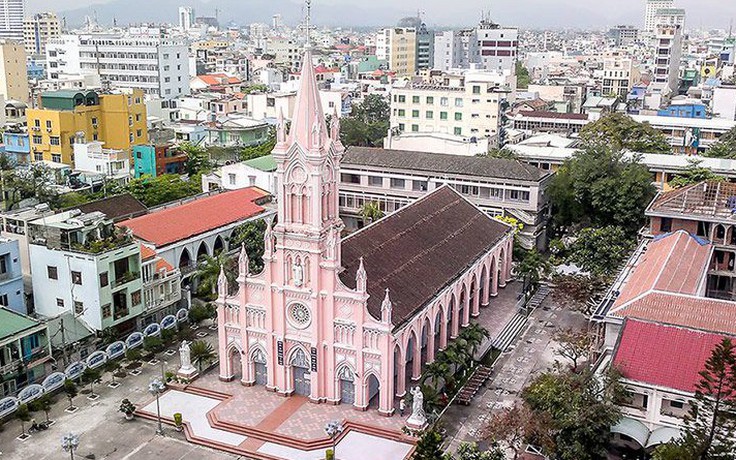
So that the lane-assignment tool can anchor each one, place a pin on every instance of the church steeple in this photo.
(308, 125)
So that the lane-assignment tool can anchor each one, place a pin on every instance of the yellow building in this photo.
(66, 117)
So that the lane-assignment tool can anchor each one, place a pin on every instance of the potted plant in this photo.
(127, 408)
(178, 421)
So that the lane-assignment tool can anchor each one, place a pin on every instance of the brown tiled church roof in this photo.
(116, 207)
(419, 250)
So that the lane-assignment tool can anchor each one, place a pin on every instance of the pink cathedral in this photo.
(353, 320)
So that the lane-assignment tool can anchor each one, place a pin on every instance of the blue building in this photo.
(36, 69)
(17, 146)
(11, 277)
(686, 108)
(25, 351)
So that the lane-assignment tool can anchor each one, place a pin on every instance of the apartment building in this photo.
(161, 288)
(462, 105)
(650, 12)
(398, 47)
(425, 48)
(118, 120)
(12, 295)
(668, 52)
(286, 52)
(157, 66)
(394, 178)
(15, 227)
(186, 17)
(25, 351)
(37, 30)
(623, 35)
(620, 73)
(12, 13)
(80, 263)
(13, 71)
(670, 17)
(111, 164)
(489, 46)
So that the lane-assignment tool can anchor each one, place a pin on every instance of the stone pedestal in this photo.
(189, 373)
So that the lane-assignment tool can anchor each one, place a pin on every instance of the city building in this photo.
(156, 160)
(623, 35)
(620, 73)
(186, 18)
(650, 12)
(157, 66)
(668, 49)
(466, 105)
(183, 232)
(398, 47)
(12, 292)
(285, 51)
(257, 172)
(117, 120)
(37, 30)
(17, 145)
(393, 179)
(548, 122)
(262, 106)
(161, 288)
(15, 227)
(488, 46)
(236, 130)
(113, 165)
(724, 102)
(13, 71)
(425, 48)
(12, 13)
(387, 296)
(81, 264)
(670, 17)
(25, 351)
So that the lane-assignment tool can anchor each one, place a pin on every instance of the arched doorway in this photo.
(437, 330)
(425, 337)
(461, 307)
(411, 346)
(398, 363)
(451, 322)
(346, 380)
(502, 268)
(236, 365)
(202, 251)
(374, 390)
(185, 259)
(483, 294)
(259, 367)
(300, 373)
(218, 246)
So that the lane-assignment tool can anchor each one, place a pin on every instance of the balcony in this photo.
(9, 276)
(125, 278)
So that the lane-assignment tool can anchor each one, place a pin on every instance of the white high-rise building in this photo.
(37, 30)
(650, 13)
(186, 17)
(668, 51)
(670, 17)
(489, 46)
(158, 66)
(12, 13)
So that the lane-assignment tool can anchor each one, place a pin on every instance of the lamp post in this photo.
(333, 429)
(70, 442)
(156, 387)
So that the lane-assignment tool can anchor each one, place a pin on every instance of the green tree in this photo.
(250, 234)
(70, 388)
(580, 408)
(601, 251)
(522, 76)
(533, 266)
(471, 451)
(112, 366)
(91, 376)
(201, 352)
(516, 426)
(43, 403)
(693, 174)
(24, 415)
(368, 122)
(621, 132)
(198, 160)
(371, 212)
(133, 355)
(429, 446)
(208, 273)
(725, 147)
(153, 344)
(199, 313)
(153, 191)
(260, 150)
(710, 426)
(598, 186)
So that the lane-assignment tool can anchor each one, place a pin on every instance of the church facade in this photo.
(352, 321)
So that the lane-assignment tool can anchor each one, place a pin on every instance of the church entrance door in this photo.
(347, 387)
(300, 371)
(259, 361)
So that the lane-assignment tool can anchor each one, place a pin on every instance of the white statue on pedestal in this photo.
(418, 418)
(186, 370)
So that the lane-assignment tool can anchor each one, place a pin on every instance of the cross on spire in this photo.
(307, 19)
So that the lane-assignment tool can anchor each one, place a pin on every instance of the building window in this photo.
(135, 297)
(139, 132)
(60, 303)
(415, 99)
(375, 181)
(48, 124)
(458, 116)
(106, 310)
(54, 140)
(94, 122)
(350, 178)
(104, 279)
(430, 100)
(476, 89)
(443, 115)
(458, 102)
(703, 228)
(415, 113)
(78, 307)
(419, 185)
(443, 101)
(665, 225)
(402, 98)
(458, 131)
(677, 404)
(398, 183)
(77, 277)
(402, 113)
(4, 300)
(231, 178)
(429, 114)
(56, 157)
(37, 139)
(518, 195)
(52, 272)
(415, 128)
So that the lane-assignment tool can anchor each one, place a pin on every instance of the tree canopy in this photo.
(153, 191)
(601, 250)
(198, 160)
(621, 132)
(367, 124)
(598, 186)
(693, 174)
(522, 76)
(725, 147)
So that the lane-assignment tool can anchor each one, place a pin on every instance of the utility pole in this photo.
(63, 342)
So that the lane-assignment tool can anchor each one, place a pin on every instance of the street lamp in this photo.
(70, 442)
(156, 387)
(333, 429)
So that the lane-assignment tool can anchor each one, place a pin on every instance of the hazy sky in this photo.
(522, 13)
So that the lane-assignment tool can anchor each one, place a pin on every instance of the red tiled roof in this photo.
(662, 355)
(196, 217)
(218, 79)
(689, 311)
(162, 264)
(147, 253)
(672, 263)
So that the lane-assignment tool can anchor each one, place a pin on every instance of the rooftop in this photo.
(555, 115)
(663, 355)
(115, 207)
(709, 199)
(441, 163)
(12, 323)
(196, 217)
(265, 163)
(417, 251)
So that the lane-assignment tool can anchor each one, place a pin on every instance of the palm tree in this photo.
(436, 370)
(208, 271)
(474, 334)
(201, 352)
(371, 212)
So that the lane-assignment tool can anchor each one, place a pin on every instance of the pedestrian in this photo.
(402, 407)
